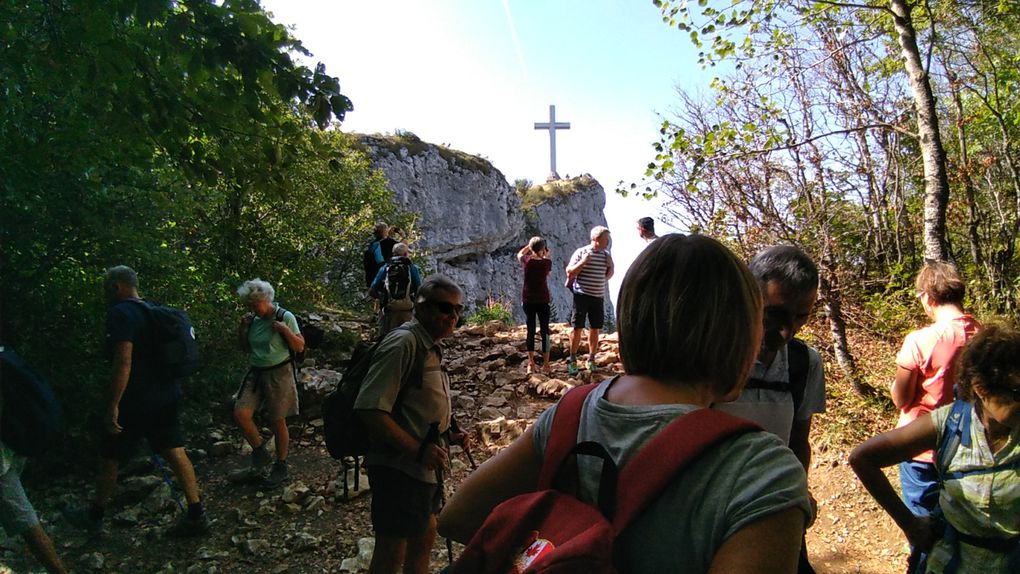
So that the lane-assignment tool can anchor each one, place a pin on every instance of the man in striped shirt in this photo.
(590, 268)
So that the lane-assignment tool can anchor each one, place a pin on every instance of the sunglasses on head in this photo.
(446, 307)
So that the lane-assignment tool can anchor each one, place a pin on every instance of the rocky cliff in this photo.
(472, 222)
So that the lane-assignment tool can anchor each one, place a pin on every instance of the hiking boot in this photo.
(531, 368)
(260, 459)
(187, 527)
(591, 366)
(278, 475)
(572, 367)
(82, 518)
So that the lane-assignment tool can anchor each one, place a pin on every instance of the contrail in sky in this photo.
(513, 35)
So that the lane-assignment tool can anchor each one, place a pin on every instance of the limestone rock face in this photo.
(472, 222)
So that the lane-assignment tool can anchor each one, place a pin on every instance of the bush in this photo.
(494, 310)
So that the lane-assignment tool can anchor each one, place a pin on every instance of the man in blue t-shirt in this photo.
(143, 403)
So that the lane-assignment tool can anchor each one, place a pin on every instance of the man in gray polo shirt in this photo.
(590, 268)
(406, 393)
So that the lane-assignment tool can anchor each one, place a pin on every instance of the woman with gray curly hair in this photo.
(270, 335)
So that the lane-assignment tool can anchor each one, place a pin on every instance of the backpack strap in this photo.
(563, 433)
(798, 358)
(955, 432)
(665, 456)
(798, 362)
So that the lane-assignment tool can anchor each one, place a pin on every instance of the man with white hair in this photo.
(590, 268)
(143, 403)
(395, 285)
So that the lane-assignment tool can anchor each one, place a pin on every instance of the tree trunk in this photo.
(936, 182)
(828, 292)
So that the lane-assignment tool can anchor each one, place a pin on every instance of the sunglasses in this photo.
(446, 308)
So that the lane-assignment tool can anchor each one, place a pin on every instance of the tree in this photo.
(180, 137)
(758, 15)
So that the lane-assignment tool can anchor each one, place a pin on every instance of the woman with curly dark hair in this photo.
(976, 440)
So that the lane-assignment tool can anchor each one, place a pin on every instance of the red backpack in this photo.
(551, 531)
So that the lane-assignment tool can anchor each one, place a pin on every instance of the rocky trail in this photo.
(307, 526)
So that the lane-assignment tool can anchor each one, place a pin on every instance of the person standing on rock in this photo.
(395, 285)
(405, 404)
(535, 258)
(589, 269)
(143, 403)
(271, 338)
(787, 385)
(646, 229)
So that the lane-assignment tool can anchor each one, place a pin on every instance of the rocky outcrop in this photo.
(472, 222)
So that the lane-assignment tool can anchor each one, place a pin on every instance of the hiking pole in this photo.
(455, 428)
(432, 437)
(166, 479)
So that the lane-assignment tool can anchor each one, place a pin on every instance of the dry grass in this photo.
(415, 146)
(544, 192)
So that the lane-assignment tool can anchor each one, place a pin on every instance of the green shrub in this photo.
(494, 310)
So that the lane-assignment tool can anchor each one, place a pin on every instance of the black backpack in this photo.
(397, 285)
(797, 354)
(176, 348)
(31, 421)
(368, 262)
(297, 358)
(345, 434)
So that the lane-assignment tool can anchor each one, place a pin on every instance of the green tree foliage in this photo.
(810, 135)
(181, 138)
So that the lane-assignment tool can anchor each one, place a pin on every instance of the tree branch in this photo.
(795, 145)
(852, 5)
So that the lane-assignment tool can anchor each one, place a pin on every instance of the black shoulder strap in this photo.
(798, 358)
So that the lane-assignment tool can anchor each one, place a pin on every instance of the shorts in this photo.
(161, 428)
(390, 320)
(590, 307)
(16, 512)
(273, 392)
(401, 505)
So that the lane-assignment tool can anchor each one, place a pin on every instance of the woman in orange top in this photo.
(924, 377)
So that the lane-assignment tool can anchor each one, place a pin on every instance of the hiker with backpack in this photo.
(590, 268)
(378, 251)
(787, 384)
(395, 286)
(975, 526)
(739, 505)
(143, 403)
(17, 515)
(405, 398)
(535, 258)
(271, 337)
(924, 377)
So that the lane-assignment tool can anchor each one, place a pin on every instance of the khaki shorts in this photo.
(273, 392)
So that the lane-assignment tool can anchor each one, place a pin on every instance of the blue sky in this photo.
(477, 74)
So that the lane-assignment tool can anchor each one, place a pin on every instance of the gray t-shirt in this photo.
(420, 406)
(773, 410)
(739, 481)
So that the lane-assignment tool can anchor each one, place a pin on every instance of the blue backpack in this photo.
(31, 421)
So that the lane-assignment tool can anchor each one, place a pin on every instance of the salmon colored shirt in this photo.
(929, 353)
